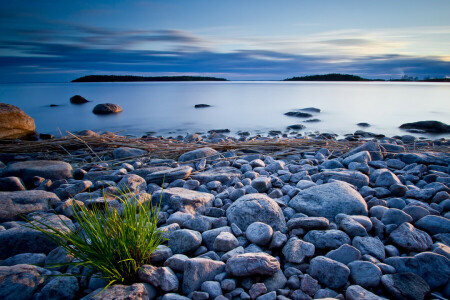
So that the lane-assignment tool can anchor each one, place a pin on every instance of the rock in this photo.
(184, 200)
(360, 157)
(259, 233)
(257, 289)
(268, 296)
(199, 270)
(434, 224)
(202, 105)
(106, 108)
(363, 124)
(127, 152)
(395, 216)
(13, 205)
(328, 200)
(20, 281)
(256, 208)
(172, 296)
(428, 126)
(308, 223)
(22, 239)
(14, 123)
(26, 259)
(365, 274)
(432, 267)
(59, 288)
(298, 114)
(162, 277)
(352, 227)
(373, 148)
(176, 262)
(296, 250)
(58, 259)
(249, 264)
(77, 99)
(344, 254)
(213, 288)
(210, 236)
(48, 169)
(223, 174)
(296, 127)
(209, 153)
(405, 286)
(11, 184)
(261, 184)
(428, 158)
(329, 272)
(355, 178)
(137, 291)
(169, 175)
(327, 239)
(386, 179)
(132, 183)
(225, 242)
(184, 241)
(356, 292)
(369, 245)
(276, 281)
(408, 237)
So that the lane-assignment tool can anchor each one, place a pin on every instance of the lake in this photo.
(167, 108)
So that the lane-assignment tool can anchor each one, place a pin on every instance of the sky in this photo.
(57, 41)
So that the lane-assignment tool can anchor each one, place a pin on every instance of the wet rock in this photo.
(329, 272)
(428, 126)
(408, 237)
(106, 109)
(15, 204)
(256, 208)
(199, 270)
(202, 105)
(298, 114)
(296, 250)
(405, 286)
(77, 99)
(14, 123)
(328, 200)
(49, 169)
(249, 264)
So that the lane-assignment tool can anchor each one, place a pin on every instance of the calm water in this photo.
(167, 108)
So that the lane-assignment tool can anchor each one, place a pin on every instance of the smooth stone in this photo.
(308, 223)
(206, 152)
(356, 292)
(365, 274)
(11, 184)
(225, 242)
(169, 174)
(406, 236)
(136, 291)
(329, 272)
(369, 245)
(405, 286)
(199, 270)
(15, 123)
(127, 152)
(184, 241)
(19, 282)
(249, 264)
(26, 259)
(209, 236)
(59, 288)
(259, 233)
(162, 277)
(395, 216)
(297, 250)
(327, 239)
(434, 224)
(344, 254)
(328, 200)
(184, 200)
(132, 183)
(355, 178)
(261, 184)
(222, 174)
(106, 108)
(48, 169)
(213, 288)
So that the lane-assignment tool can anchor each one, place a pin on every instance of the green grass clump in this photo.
(115, 244)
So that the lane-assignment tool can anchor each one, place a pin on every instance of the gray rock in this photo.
(184, 241)
(15, 204)
(257, 289)
(355, 178)
(161, 254)
(256, 207)
(296, 250)
(173, 296)
(209, 236)
(137, 291)
(126, 152)
(60, 288)
(408, 237)
(369, 245)
(268, 296)
(223, 174)
(184, 200)
(365, 274)
(309, 285)
(421, 194)
(132, 183)
(176, 262)
(352, 227)
(344, 254)
(20, 281)
(356, 292)
(434, 224)
(11, 184)
(405, 286)
(375, 150)
(395, 216)
(278, 240)
(162, 277)
(386, 179)
(25, 259)
(48, 169)
(432, 267)
(57, 259)
(327, 239)
(22, 239)
(213, 288)
(360, 157)
(199, 270)
(328, 200)
(308, 223)
(231, 253)
(276, 281)
(169, 174)
(198, 154)
(225, 242)
(249, 264)
(259, 233)
(261, 184)
(329, 272)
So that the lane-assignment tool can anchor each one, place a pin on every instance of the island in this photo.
(131, 78)
(329, 77)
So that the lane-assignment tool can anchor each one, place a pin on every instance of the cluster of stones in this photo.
(370, 224)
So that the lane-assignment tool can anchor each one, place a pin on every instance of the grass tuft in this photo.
(115, 243)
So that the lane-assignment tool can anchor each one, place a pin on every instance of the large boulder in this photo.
(256, 208)
(428, 126)
(195, 155)
(328, 200)
(184, 200)
(14, 123)
(14, 204)
(49, 169)
(23, 239)
(106, 108)
(20, 281)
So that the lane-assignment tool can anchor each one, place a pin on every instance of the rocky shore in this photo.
(369, 223)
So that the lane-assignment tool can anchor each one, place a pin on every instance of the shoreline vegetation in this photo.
(325, 77)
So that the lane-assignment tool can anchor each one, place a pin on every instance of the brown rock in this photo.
(14, 123)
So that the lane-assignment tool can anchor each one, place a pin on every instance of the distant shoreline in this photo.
(128, 78)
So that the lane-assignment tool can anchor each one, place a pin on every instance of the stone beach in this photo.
(370, 223)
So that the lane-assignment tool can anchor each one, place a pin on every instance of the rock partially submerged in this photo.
(106, 109)
(298, 114)
(428, 126)
(15, 123)
(202, 105)
(77, 99)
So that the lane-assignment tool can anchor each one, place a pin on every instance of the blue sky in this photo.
(57, 41)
